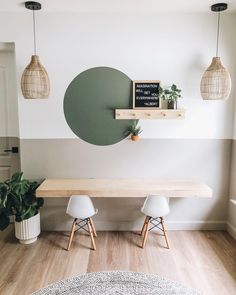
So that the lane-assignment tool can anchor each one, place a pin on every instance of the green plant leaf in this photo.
(3, 194)
(16, 177)
(170, 94)
(40, 202)
(18, 197)
(4, 220)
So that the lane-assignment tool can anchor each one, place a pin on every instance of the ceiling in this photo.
(155, 6)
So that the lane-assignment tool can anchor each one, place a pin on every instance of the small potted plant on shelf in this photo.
(18, 199)
(171, 95)
(134, 131)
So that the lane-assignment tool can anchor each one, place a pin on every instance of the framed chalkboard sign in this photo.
(146, 95)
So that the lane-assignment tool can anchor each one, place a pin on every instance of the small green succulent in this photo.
(170, 94)
(134, 130)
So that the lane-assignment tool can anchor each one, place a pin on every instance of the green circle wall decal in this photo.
(90, 102)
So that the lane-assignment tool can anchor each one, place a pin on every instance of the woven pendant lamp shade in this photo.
(216, 81)
(35, 82)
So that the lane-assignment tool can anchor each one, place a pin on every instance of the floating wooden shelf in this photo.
(124, 114)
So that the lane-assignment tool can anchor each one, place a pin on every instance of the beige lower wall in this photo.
(233, 171)
(232, 203)
(202, 160)
(231, 224)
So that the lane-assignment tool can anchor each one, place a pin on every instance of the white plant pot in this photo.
(28, 230)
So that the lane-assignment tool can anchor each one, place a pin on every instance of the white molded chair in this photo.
(81, 208)
(155, 208)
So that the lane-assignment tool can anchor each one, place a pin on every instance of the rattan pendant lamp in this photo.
(35, 82)
(216, 81)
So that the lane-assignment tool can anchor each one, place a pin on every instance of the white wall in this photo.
(174, 48)
(232, 201)
(9, 123)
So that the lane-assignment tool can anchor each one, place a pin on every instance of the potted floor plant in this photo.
(134, 131)
(18, 199)
(171, 95)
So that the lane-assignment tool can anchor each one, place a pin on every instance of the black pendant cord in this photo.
(34, 33)
(31, 5)
(218, 7)
(218, 33)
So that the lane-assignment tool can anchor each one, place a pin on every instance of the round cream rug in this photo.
(117, 282)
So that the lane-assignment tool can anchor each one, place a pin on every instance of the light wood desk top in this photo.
(122, 187)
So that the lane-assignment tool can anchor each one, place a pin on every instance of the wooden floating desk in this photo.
(122, 187)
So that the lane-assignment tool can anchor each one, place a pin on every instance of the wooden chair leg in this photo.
(164, 231)
(145, 233)
(145, 222)
(91, 234)
(71, 234)
(93, 227)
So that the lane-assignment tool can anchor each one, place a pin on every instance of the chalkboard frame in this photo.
(145, 82)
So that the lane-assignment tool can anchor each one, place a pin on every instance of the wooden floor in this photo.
(202, 260)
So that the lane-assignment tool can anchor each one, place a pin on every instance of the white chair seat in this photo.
(81, 207)
(155, 206)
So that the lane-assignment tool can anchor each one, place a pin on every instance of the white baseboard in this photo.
(231, 230)
(196, 225)
(136, 226)
(233, 200)
(170, 225)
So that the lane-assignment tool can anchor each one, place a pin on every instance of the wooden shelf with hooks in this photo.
(124, 114)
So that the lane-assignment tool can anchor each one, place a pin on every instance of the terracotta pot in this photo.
(134, 137)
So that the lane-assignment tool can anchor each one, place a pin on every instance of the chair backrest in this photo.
(156, 206)
(80, 206)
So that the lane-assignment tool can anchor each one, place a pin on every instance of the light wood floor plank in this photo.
(26, 268)
(193, 258)
(202, 260)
